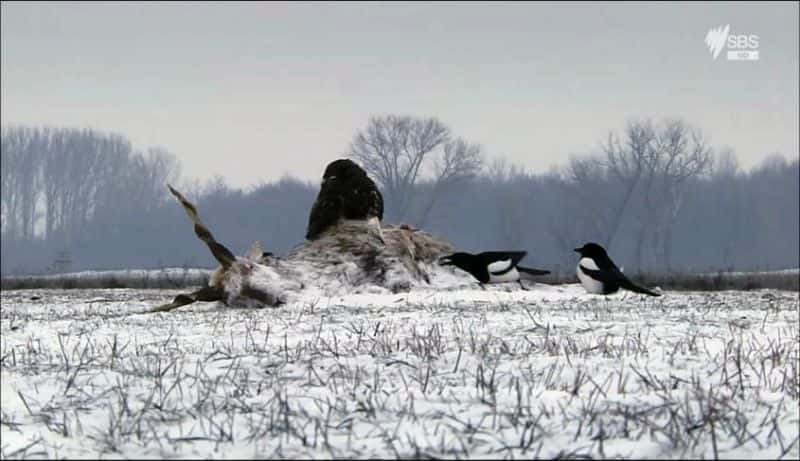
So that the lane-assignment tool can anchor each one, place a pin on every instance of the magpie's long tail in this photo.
(633, 287)
(530, 271)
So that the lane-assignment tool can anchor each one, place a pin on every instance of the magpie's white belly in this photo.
(510, 276)
(591, 285)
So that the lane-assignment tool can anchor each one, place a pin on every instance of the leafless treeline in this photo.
(56, 181)
(656, 194)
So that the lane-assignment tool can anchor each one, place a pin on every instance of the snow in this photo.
(450, 372)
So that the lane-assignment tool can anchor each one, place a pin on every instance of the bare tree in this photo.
(394, 151)
(509, 186)
(56, 181)
(459, 161)
(727, 208)
(681, 154)
(586, 187)
(82, 169)
(599, 189)
(625, 162)
(643, 173)
(9, 158)
(21, 156)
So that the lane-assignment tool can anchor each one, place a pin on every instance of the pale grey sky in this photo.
(252, 91)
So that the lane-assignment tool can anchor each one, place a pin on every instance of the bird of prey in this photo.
(346, 193)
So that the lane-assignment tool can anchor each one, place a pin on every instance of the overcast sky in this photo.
(252, 91)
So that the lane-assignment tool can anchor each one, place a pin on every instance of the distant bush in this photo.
(160, 278)
(777, 280)
(789, 281)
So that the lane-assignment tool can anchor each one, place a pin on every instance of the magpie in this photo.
(492, 266)
(599, 275)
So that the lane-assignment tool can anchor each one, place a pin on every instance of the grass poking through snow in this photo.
(550, 373)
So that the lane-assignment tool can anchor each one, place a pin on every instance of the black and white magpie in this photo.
(492, 266)
(599, 275)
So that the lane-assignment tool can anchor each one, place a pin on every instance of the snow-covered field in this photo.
(551, 372)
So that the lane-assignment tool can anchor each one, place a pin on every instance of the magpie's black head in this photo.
(342, 169)
(459, 259)
(591, 250)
